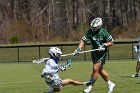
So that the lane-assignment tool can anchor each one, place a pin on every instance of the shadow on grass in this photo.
(126, 77)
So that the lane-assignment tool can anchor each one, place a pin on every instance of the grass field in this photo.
(25, 77)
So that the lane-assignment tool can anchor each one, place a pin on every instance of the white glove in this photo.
(102, 47)
(135, 48)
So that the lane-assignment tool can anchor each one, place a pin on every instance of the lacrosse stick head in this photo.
(39, 61)
(69, 61)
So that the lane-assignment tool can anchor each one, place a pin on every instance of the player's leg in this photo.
(105, 76)
(137, 67)
(54, 82)
(138, 64)
(94, 76)
(72, 82)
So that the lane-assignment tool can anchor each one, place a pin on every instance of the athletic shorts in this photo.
(139, 57)
(98, 57)
(54, 83)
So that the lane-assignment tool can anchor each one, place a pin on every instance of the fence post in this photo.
(85, 53)
(39, 52)
(132, 51)
(18, 53)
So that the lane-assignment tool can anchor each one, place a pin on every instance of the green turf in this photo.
(25, 77)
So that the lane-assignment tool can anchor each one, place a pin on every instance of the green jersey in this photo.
(97, 39)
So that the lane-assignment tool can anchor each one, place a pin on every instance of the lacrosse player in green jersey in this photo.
(99, 39)
(137, 49)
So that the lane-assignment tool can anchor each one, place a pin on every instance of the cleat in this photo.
(110, 87)
(49, 91)
(135, 75)
(88, 89)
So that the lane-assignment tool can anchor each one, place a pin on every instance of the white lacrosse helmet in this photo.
(55, 52)
(96, 24)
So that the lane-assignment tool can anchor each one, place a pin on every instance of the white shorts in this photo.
(54, 83)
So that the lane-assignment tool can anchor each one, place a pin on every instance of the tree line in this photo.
(65, 20)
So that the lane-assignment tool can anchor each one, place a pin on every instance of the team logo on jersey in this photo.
(97, 39)
(54, 67)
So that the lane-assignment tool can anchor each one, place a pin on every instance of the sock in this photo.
(109, 82)
(50, 91)
(92, 80)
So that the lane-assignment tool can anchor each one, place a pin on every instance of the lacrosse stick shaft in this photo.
(43, 59)
(80, 52)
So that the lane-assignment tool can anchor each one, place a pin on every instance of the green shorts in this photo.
(98, 57)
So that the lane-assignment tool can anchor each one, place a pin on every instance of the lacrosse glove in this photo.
(76, 52)
(102, 47)
(62, 67)
(43, 75)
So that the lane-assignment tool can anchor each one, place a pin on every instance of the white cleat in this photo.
(88, 89)
(110, 87)
(135, 75)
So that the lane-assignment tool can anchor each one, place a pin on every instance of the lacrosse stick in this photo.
(80, 52)
(38, 61)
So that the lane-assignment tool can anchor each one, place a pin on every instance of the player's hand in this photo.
(102, 47)
(62, 67)
(135, 48)
(43, 75)
(76, 52)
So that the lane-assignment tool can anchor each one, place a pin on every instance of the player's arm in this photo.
(109, 39)
(110, 43)
(81, 44)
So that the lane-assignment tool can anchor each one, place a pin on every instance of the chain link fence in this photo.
(27, 53)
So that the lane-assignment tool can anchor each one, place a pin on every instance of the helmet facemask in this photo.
(95, 29)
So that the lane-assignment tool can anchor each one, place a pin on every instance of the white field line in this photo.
(16, 82)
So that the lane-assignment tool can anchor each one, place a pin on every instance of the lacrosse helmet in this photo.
(96, 24)
(55, 52)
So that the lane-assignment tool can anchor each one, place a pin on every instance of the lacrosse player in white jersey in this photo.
(137, 49)
(51, 75)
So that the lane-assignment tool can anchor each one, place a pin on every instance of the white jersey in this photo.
(52, 68)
